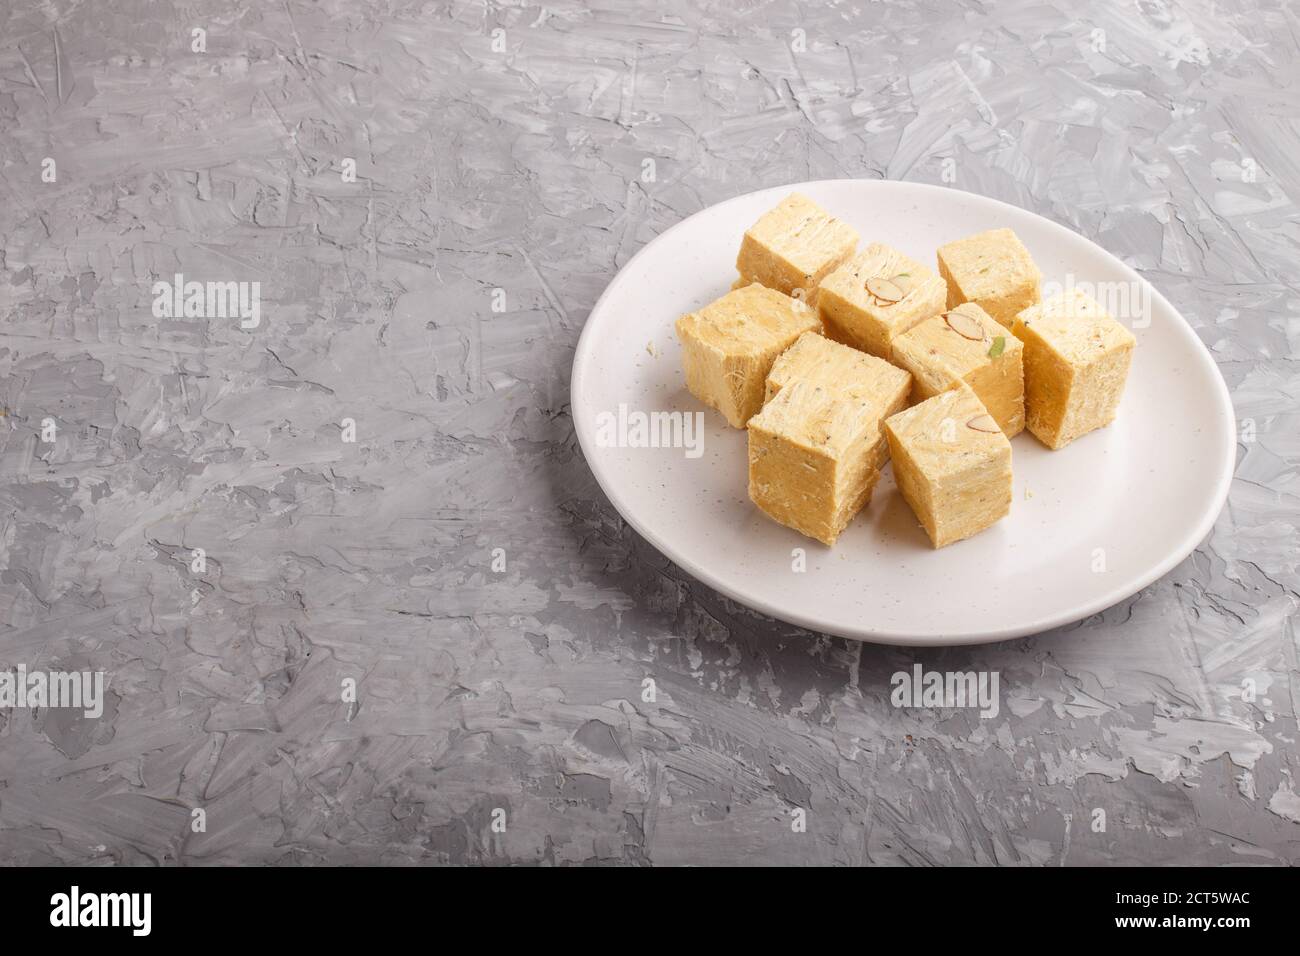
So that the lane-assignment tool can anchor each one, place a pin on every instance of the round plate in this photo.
(1089, 525)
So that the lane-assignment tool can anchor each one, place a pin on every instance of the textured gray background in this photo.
(521, 170)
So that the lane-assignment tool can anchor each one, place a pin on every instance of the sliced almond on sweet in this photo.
(964, 326)
(984, 423)
(886, 290)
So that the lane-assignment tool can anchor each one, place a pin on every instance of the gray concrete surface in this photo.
(1167, 132)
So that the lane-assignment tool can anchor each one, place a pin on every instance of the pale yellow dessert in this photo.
(877, 295)
(814, 449)
(966, 345)
(1076, 363)
(729, 345)
(854, 375)
(992, 269)
(952, 464)
(794, 246)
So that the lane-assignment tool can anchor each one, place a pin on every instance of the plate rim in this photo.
(1188, 543)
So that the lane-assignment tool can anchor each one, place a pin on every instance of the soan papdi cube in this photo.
(952, 463)
(1076, 363)
(966, 345)
(811, 455)
(992, 269)
(876, 296)
(729, 345)
(854, 375)
(794, 246)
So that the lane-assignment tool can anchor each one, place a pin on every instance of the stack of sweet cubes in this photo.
(838, 360)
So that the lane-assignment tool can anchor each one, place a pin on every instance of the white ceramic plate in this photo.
(1089, 525)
